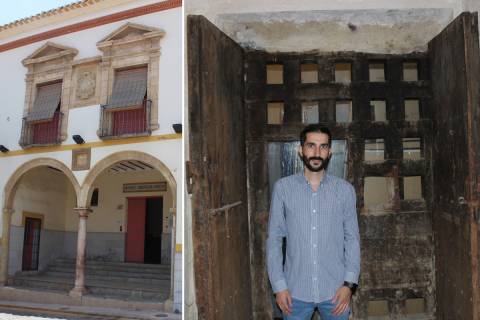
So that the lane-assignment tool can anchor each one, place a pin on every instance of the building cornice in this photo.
(91, 23)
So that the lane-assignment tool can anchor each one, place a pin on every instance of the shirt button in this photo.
(314, 245)
(314, 262)
(314, 228)
(314, 279)
(314, 210)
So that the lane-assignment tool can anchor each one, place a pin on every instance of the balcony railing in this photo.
(125, 123)
(41, 133)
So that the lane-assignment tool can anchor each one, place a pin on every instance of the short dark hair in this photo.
(315, 128)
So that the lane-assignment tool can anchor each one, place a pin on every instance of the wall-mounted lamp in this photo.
(78, 139)
(3, 149)
(177, 127)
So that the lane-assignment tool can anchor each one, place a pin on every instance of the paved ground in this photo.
(10, 316)
(10, 310)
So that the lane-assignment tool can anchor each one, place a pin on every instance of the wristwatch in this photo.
(352, 286)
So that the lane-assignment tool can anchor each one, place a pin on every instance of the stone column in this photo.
(7, 218)
(79, 289)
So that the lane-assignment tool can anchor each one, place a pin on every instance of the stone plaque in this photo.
(81, 159)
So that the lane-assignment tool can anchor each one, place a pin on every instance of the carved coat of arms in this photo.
(85, 85)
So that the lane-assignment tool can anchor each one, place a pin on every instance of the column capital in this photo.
(82, 211)
(7, 210)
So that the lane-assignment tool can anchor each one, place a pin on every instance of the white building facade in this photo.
(91, 129)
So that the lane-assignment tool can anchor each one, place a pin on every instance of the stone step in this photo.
(115, 266)
(159, 280)
(96, 287)
(96, 283)
(115, 263)
(164, 274)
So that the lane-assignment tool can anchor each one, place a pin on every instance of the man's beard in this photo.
(322, 166)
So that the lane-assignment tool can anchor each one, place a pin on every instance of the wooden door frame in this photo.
(38, 244)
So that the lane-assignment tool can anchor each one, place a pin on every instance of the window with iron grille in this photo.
(128, 109)
(41, 126)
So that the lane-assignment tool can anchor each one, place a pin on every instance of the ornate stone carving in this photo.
(86, 83)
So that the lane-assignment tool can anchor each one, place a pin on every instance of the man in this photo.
(316, 213)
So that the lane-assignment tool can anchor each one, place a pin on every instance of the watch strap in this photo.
(352, 286)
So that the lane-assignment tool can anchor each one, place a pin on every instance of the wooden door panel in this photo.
(135, 242)
(31, 244)
(218, 168)
(454, 60)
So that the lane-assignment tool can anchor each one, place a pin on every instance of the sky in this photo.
(18, 9)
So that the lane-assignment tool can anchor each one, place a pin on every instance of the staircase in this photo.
(117, 280)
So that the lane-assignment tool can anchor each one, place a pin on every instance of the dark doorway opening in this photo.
(31, 244)
(153, 230)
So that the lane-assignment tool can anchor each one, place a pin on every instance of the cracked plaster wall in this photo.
(376, 31)
(376, 26)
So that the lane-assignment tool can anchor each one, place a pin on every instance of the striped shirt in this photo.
(321, 229)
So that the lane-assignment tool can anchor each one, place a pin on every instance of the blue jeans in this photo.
(304, 311)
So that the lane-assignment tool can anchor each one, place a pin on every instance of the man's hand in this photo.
(284, 301)
(341, 299)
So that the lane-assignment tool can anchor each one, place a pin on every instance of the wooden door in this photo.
(31, 244)
(135, 241)
(218, 172)
(454, 62)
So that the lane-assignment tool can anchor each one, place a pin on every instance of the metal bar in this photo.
(148, 113)
(59, 128)
(102, 121)
(226, 207)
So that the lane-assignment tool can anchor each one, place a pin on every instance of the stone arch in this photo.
(12, 184)
(121, 156)
(9, 195)
(155, 163)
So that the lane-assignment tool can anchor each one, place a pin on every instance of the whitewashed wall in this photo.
(167, 151)
(85, 119)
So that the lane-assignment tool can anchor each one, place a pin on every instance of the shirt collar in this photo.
(301, 177)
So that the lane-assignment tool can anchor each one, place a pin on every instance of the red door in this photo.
(135, 243)
(31, 244)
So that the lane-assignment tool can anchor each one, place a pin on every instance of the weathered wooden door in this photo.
(135, 242)
(217, 165)
(31, 244)
(454, 62)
